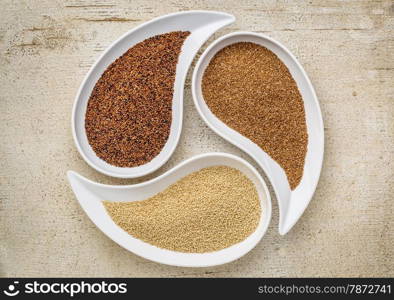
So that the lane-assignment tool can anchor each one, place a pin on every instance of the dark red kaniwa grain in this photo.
(129, 112)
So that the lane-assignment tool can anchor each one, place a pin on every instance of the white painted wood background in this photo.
(46, 48)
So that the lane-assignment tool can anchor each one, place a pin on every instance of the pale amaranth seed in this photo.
(207, 210)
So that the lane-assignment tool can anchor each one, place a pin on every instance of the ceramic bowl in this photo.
(201, 24)
(292, 203)
(91, 194)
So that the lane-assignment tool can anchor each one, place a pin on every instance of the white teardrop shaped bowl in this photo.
(201, 24)
(90, 195)
(292, 204)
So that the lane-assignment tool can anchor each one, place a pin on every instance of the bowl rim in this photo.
(194, 87)
(266, 211)
(113, 44)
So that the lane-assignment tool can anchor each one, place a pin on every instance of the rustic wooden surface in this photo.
(347, 47)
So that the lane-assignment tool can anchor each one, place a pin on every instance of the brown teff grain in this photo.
(129, 112)
(205, 211)
(249, 88)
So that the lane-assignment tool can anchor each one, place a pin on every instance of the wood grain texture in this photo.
(347, 48)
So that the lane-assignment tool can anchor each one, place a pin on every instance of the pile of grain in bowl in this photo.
(208, 210)
(129, 113)
(251, 90)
